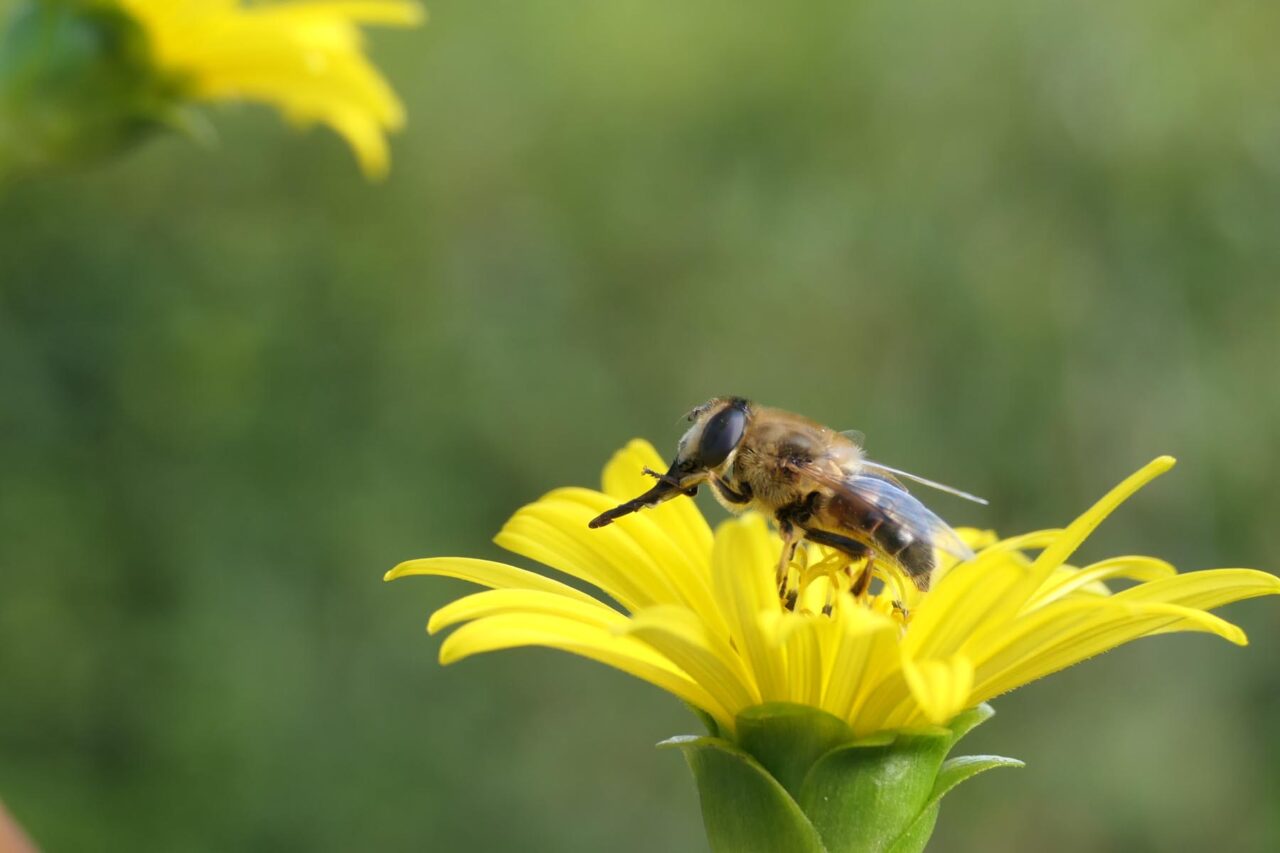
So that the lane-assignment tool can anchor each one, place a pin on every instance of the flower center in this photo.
(819, 581)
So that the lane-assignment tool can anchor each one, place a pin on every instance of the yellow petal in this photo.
(801, 646)
(623, 549)
(1067, 580)
(1205, 589)
(888, 705)
(867, 642)
(974, 596)
(387, 13)
(651, 534)
(680, 636)
(1066, 632)
(304, 58)
(709, 627)
(1033, 541)
(743, 566)
(1066, 544)
(628, 654)
(645, 539)
(486, 573)
(624, 479)
(940, 687)
(976, 538)
(494, 601)
(555, 542)
(364, 136)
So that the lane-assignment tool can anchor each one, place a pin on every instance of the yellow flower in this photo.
(698, 615)
(305, 58)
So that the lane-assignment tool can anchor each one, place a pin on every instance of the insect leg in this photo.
(739, 493)
(791, 520)
(844, 544)
(851, 548)
(791, 536)
(863, 581)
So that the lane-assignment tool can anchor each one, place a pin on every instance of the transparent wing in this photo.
(889, 473)
(890, 498)
(857, 436)
(904, 509)
(879, 469)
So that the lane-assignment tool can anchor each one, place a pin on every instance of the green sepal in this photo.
(787, 739)
(953, 772)
(77, 82)
(797, 779)
(967, 721)
(713, 728)
(864, 798)
(917, 835)
(744, 808)
(964, 767)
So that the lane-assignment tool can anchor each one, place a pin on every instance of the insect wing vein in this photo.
(907, 512)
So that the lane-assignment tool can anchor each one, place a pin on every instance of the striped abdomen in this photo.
(864, 519)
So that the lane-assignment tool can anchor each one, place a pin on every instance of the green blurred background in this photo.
(1024, 246)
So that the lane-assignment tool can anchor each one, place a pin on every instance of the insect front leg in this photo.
(792, 535)
(734, 493)
(791, 525)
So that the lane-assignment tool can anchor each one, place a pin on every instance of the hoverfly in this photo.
(815, 482)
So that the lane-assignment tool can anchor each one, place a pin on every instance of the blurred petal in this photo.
(304, 58)
(388, 13)
(485, 573)
(512, 630)
(492, 602)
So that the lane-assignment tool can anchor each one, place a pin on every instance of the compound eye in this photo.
(721, 435)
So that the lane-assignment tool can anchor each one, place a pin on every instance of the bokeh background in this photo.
(1024, 247)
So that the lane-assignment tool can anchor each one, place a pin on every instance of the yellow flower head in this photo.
(305, 58)
(700, 616)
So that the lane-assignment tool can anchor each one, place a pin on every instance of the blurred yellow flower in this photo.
(304, 58)
(701, 618)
